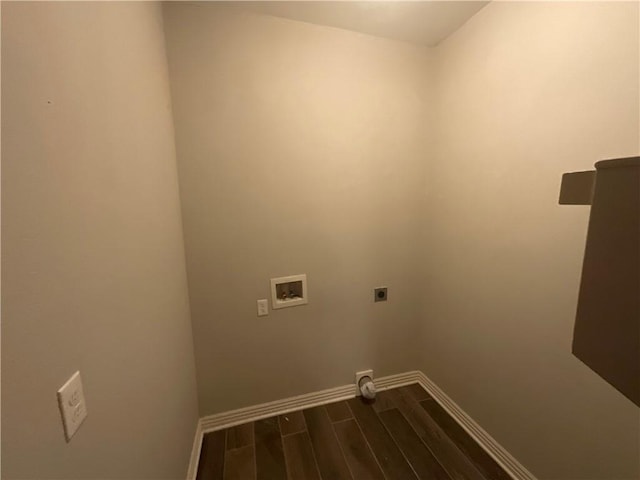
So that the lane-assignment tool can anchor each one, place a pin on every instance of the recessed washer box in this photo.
(289, 291)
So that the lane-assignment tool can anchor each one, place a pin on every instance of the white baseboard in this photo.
(220, 421)
(486, 441)
(195, 452)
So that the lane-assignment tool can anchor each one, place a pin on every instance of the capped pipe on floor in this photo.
(367, 387)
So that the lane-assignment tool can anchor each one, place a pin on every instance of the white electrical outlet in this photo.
(263, 307)
(72, 405)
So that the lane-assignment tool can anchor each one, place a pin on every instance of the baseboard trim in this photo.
(398, 380)
(195, 452)
(514, 468)
(224, 420)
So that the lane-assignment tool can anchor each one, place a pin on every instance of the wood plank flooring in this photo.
(404, 434)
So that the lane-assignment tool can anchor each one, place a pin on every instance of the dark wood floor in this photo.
(404, 434)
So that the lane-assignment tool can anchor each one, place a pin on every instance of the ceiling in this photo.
(421, 22)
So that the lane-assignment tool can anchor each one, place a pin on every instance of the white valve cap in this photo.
(368, 389)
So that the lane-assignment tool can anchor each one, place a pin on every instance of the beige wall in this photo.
(525, 93)
(301, 149)
(93, 270)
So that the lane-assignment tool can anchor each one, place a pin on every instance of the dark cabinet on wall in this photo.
(607, 327)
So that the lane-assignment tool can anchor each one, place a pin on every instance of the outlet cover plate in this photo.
(380, 294)
(263, 307)
(73, 407)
